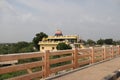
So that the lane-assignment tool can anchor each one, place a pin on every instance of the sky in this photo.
(20, 20)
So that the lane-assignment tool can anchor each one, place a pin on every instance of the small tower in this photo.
(58, 33)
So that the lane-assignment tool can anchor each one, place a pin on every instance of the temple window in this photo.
(53, 48)
(42, 47)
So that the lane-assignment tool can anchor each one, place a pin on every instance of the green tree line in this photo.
(109, 41)
(22, 46)
(19, 47)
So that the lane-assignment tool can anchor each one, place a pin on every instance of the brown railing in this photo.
(41, 65)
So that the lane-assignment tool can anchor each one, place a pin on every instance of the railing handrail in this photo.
(10, 57)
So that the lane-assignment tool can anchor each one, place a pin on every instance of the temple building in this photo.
(51, 42)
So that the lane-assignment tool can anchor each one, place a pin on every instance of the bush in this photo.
(63, 46)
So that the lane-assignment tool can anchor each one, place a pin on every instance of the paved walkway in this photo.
(96, 72)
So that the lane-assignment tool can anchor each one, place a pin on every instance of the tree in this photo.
(22, 44)
(63, 46)
(118, 42)
(29, 48)
(109, 41)
(100, 42)
(91, 42)
(39, 37)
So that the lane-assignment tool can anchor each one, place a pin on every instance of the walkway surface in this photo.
(95, 72)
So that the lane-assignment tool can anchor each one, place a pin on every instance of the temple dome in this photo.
(58, 33)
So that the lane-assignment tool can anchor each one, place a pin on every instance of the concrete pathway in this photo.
(95, 72)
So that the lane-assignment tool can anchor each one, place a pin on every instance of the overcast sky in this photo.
(20, 20)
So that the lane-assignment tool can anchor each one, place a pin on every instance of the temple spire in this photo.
(58, 33)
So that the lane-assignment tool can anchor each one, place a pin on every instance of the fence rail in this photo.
(41, 65)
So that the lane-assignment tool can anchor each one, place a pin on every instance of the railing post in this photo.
(92, 54)
(75, 58)
(118, 49)
(104, 52)
(46, 64)
(112, 52)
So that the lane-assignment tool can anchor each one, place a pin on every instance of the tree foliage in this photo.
(100, 41)
(109, 41)
(63, 46)
(39, 37)
(91, 42)
(20, 47)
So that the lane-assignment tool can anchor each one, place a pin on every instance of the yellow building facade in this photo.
(51, 42)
